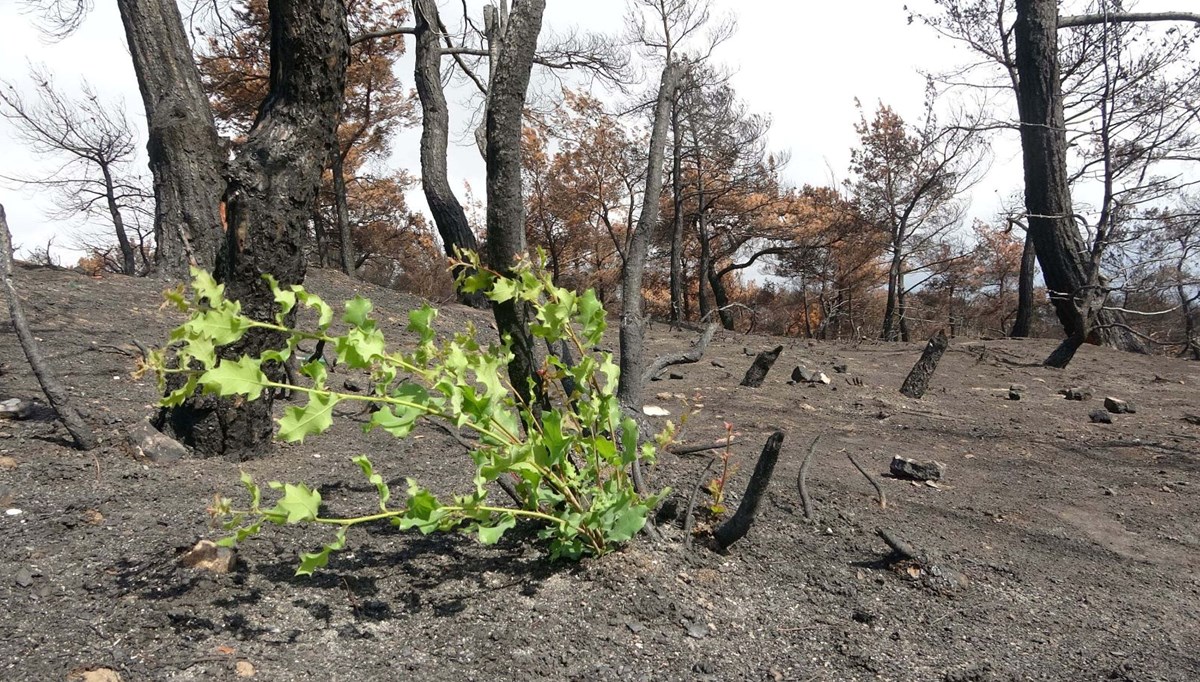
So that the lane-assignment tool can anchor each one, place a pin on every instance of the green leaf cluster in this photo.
(569, 464)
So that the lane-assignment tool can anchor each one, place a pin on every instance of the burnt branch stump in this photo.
(918, 379)
(762, 365)
(739, 524)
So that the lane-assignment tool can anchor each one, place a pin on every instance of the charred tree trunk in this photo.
(917, 381)
(272, 185)
(633, 323)
(891, 326)
(345, 238)
(1023, 325)
(128, 257)
(505, 200)
(739, 524)
(186, 154)
(1075, 291)
(447, 212)
(59, 399)
(677, 302)
(721, 298)
(759, 368)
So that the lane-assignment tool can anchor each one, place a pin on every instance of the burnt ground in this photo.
(1077, 542)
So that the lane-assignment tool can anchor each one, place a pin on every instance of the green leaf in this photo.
(222, 326)
(313, 418)
(490, 535)
(357, 310)
(381, 487)
(181, 394)
(298, 504)
(235, 377)
(360, 347)
(397, 420)
(285, 298)
(592, 318)
(316, 302)
(502, 290)
(628, 522)
(206, 287)
(310, 562)
(252, 488)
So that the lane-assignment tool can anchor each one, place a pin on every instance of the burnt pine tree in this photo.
(267, 189)
(1072, 276)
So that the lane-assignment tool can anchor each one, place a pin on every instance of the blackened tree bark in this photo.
(345, 237)
(677, 302)
(271, 186)
(1075, 286)
(633, 323)
(186, 155)
(1023, 325)
(448, 213)
(505, 199)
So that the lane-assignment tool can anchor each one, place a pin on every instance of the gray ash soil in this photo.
(1078, 542)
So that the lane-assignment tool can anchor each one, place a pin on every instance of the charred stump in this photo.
(762, 365)
(739, 524)
(918, 379)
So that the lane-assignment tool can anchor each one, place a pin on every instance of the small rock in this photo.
(151, 444)
(209, 556)
(704, 668)
(717, 363)
(675, 375)
(801, 374)
(1118, 406)
(244, 669)
(352, 386)
(15, 408)
(97, 675)
(654, 411)
(697, 630)
(13, 512)
(24, 578)
(7, 464)
(1192, 419)
(902, 467)
(841, 368)
(1016, 391)
(1100, 417)
(635, 627)
(1077, 393)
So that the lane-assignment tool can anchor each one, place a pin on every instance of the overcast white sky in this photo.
(803, 63)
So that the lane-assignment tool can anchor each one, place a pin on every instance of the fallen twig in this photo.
(688, 519)
(59, 398)
(900, 548)
(801, 481)
(691, 356)
(695, 449)
(874, 481)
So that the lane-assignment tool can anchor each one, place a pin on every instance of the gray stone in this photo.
(1100, 417)
(151, 444)
(352, 386)
(15, 408)
(1118, 406)
(1016, 391)
(903, 467)
(1077, 393)
(841, 368)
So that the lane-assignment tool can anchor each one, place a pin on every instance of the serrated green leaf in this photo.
(502, 290)
(381, 486)
(298, 504)
(222, 326)
(206, 287)
(357, 310)
(235, 377)
(284, 298)
(628, 521)
(252, 488)
(325, 313)
(181, 394)
(310, 562)
(490, 535)
(315, 417)
(591, 317)
(360, 347)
